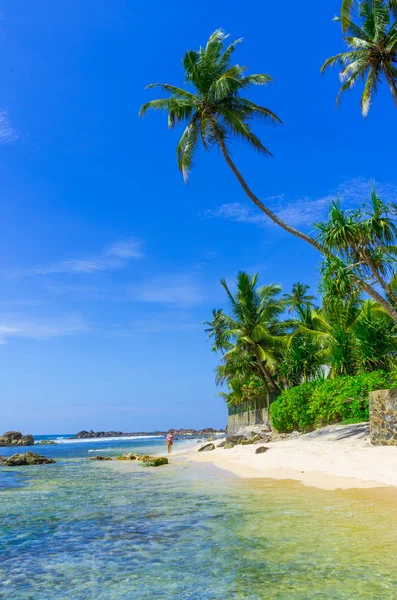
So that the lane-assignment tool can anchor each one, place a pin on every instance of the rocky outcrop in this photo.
(207, 448)
(100, 458)
(15, 438)
(26, 458)
(177, 432)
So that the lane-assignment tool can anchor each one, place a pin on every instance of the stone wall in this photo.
(383, 417)
(246, 419)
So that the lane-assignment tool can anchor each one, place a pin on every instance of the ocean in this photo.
(87, 530)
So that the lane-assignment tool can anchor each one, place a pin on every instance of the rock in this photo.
(15, 438)
(222, 444)
(228, 445)
(101, 458)
(26, 458)
(207, 448)
(247, 442)
(127, 456)
(263, 440)
(45, 443)
(236, 439)
(261, 450)
(154, 461)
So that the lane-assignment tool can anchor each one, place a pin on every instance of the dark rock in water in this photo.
(222, 444)
(207, 448)
(101, 458)
(45, 443)
(261, 450)
(228, 445)
(15, 438)
(154, 461)
(127, 456)
(27, 458)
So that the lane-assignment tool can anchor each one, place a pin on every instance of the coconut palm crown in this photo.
(214, 110)
(372, 53)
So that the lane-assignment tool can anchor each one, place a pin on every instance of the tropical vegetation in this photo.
(292, 345)
(319, 355)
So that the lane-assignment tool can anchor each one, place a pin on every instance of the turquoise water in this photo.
(84, 530)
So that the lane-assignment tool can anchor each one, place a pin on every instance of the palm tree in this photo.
(252, 327)
(347, 10)
(216, 331)
(215, 112)
(298, 298)
(362, 246)
(372, 52)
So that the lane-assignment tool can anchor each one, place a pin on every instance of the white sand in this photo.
(329, 458)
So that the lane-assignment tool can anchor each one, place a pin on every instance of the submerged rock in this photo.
(100, 458)
(26, 458)
(154, 461)
(127, 456)
(261, 450)
(207, 448)
(15, 438)
(45, 443)
(144, 459)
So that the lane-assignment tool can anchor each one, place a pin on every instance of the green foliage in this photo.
(327, 401)
(372, 43)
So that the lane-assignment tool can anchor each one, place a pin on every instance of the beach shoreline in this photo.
(335, 457)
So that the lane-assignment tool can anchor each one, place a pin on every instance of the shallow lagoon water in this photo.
(85, 530)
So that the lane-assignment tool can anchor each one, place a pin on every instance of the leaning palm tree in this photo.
(372, 53)
(215, 112)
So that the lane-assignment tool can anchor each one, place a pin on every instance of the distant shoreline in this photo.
(208, 431)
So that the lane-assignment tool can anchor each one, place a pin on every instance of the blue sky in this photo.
(109, 263)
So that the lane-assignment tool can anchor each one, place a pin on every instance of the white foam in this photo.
(108, 439)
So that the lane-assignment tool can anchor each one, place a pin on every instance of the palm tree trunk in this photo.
(306, 238)
(391, 311)
(268, 376)
(383, 283)
(260, 204)
(392, 86)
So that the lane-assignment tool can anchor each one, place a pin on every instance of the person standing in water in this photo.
(170, 440)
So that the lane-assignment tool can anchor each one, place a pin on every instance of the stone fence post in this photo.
(383, 417)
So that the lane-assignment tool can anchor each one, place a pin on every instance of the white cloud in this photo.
(168, 289)
(7, 133)
(12, 326)
(304, 211)
(115, 256)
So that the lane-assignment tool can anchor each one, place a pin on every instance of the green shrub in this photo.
(327, 401)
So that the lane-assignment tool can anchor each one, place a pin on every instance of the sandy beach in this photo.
(335, 457)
